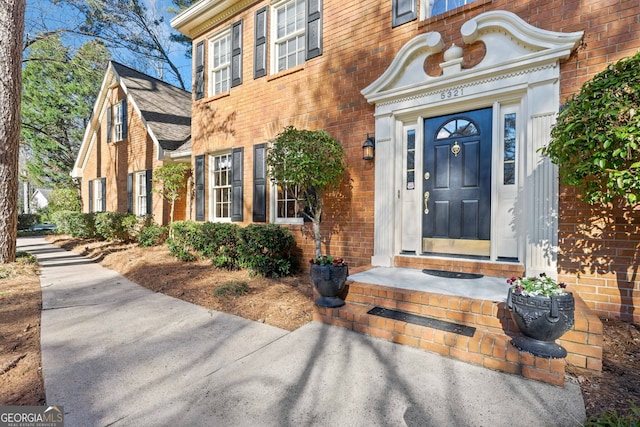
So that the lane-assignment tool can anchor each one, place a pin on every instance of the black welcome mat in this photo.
(452, 274)
(423, 321)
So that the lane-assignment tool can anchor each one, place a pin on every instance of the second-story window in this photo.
(431, 8)
(117, 121)
(290, 21)
(220, 64)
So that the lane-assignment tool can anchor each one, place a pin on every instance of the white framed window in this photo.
(288, 34)
(220, 187)
(220, 64)
(98, 195)
(287, 204)
(141, 193)
(118, 121)
(430, 8)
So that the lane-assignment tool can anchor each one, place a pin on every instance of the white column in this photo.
(541, 201)
(384, 214)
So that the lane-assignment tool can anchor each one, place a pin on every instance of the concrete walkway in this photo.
(117, 354)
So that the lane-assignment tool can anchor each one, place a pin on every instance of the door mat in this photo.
(452, 274)
(429, 322)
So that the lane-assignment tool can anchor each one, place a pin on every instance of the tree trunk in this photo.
(12, 24)
(317, 238)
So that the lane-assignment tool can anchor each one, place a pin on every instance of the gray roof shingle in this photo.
(166, 108)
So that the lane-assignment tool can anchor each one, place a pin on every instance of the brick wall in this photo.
(358, 46)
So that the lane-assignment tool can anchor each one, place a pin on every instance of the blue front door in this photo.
(456, 208)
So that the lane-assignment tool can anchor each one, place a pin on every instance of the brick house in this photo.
(390, 70)
(138, 124)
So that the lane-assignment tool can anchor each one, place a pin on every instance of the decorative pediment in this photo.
(509, 43)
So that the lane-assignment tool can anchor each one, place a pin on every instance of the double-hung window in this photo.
(220, 64)
(118, 121)
(98, 195)
(141, 193)
(289, 29)
(220, 173)
(289, 204)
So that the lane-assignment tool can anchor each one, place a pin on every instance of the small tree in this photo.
(313, 162)
(65, 199)
(595, 140)
(172, 179)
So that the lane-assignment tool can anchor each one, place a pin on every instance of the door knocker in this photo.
(455, 149)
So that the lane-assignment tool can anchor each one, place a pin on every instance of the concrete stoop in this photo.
(489, 346)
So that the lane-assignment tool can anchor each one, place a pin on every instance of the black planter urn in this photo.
(542, 320)
(329, 280)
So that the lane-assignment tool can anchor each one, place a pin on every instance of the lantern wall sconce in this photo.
(369, 148)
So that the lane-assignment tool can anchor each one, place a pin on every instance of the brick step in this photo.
(489, 346)
(487, 268)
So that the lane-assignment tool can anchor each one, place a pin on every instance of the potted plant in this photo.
(329, 275)
(543, 310)
(312, 162)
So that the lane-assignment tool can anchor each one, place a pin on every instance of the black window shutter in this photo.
(236, 53)
(403, 11)
(149, 186)
(260, 183)
(199, 84)
(90, 195)
(314, 28)
(123, 118)
(109, 114)
(103, 183)
(130, 193)
(236, 184)
(260, 53)
(200, 188)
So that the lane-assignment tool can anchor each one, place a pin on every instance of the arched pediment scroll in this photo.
(508, 37)
(407, 68)
(511, 46)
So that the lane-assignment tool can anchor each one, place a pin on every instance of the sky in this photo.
(43, 15)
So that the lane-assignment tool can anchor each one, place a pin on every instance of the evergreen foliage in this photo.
(59, 89)
(595, 140)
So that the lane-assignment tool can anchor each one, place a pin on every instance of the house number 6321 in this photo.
(451, 93)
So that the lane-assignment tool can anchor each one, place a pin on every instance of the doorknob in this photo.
(426, 203)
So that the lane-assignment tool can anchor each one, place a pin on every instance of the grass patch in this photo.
(614, 419)
(232, 288)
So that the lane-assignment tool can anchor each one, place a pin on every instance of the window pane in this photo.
(440, 6)
(509, 156)
(457, 128)
(290, 27)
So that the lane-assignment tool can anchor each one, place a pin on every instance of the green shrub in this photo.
(234, 287)
(27, 220)
(181, 237)
(179, 251)
(595, 139)
(76, 224)
(218, 242)
(26, 258)
(65, 199)
(152, 235)
(266, 250)
(115, 226)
